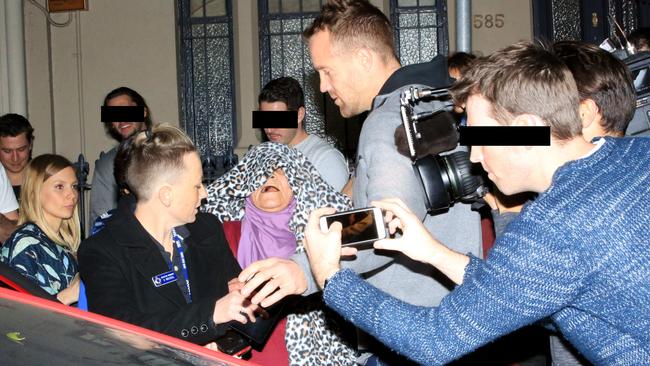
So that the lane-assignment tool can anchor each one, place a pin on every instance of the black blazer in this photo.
(118, 263)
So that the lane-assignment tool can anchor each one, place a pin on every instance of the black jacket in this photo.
(118, 263)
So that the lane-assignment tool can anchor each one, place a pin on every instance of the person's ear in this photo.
(589, 113)
(146, 112)
(165, 195)
(527, 120)
(301, 116)
(365, 58)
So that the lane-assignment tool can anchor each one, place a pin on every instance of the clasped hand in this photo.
(235, 306)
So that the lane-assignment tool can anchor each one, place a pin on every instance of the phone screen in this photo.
(358, 226)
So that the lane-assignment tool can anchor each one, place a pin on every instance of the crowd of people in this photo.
(167, 253)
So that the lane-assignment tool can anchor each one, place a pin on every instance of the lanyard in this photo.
(178, 242)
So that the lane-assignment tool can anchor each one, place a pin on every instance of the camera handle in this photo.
(81, 168)
(408, 99)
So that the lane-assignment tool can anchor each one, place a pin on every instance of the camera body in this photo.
(445, 172)
(639, 66)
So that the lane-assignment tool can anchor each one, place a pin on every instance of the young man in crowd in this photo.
(575, 255)
(285, 94)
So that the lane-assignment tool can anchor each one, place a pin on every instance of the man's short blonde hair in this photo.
(155, 155)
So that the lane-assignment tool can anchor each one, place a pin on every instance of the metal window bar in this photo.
(323, 116)
(316, 111)
(399, 15)
(197, 113)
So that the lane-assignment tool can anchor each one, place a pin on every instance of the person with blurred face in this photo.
(104, 192)
(16, 142)
(44, 246)
(163, 265)
(285, 94)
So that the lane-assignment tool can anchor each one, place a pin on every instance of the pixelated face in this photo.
(340, 75)
(15, 152)
(59, 197)
(507, 166)
(274, 195)
(125, 129)
(281, 135)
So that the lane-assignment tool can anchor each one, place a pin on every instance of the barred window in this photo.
(207, 84)
(420, 29)
(284, 53)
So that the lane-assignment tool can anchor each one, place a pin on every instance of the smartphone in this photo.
(232, 343)
(360, 226)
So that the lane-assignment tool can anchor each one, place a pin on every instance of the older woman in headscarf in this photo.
(272, 191)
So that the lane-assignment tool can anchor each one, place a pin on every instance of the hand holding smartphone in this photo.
(360, 226)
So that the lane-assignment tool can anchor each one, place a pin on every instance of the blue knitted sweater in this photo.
(579, 254)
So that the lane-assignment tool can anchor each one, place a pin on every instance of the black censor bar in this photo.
(505, 136)
(123, 114)
(275, 119)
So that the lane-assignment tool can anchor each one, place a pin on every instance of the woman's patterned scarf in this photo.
(310, 337)
(227, 195)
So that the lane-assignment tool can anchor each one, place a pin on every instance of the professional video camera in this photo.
(639, 65)
(428, 138)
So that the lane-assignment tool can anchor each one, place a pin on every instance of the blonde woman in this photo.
(44, 245)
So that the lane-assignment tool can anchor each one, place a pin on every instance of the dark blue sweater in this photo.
(580, 254)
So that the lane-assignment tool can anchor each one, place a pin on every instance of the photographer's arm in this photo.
(494, 299)
(417, 243)
(7, 224)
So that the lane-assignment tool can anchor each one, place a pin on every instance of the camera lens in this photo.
(463, 179)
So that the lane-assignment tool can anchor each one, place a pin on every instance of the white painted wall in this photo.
(115, 43)
(517, 24)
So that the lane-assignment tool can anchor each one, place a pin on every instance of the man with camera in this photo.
(358, 69)
(576, 255)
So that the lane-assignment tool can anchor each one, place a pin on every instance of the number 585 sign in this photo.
(488, 21)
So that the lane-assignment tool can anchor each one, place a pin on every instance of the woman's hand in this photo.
(70, 294)
(234, 306)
